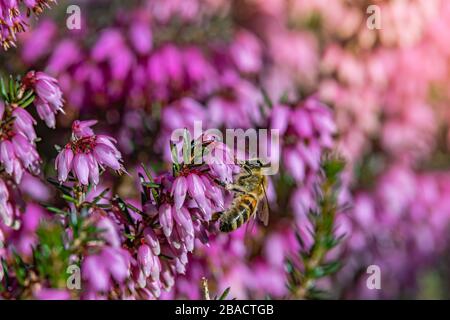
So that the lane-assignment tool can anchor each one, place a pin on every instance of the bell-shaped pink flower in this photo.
(63, 163)
(109, 231)
(47, 89)
(85, 153)
(7, 156)
(45, 112)
(81, 167)
(196, 189)
(152, 240)
(94, 173)
(145, 259)
(179, 189)
(26, 152)
(165, 219)
(107, 156)
(24, 123)
(117, 263)
(183, 218)
(94, 271)
(83, 128)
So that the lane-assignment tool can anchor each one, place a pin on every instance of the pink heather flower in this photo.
(220, 161)
(17, 142)
(81, 167)
(6, 212)
(239, 106)
(149, 262)
(111, 47)
(307, 130)
(48, 90)
(141, 37)
(95, 273)
(10, 23)
(165, 219)
(25, 238)
(40, 42)
(152, 240)
(24, 122)
(173, 63)
(196, 189)
(86, 153)
(178, 192)
(45, 112)
(199, 70)
(246, 52)
(67, 52)
(99, 269)
(7, 156)
(110, 263)
(49, 99)
(109, 231)
(63, 163)
(18, 154)
(26, 152)
(183, 219)
(35, 187)
(181, 113)
(83, 128)
(107, 156)
(306, 133)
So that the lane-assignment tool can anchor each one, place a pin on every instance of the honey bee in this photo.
(250, 197)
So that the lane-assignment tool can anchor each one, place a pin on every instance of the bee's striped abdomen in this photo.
(238, 214)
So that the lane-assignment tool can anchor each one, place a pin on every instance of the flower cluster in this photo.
(49, 96)
(14, 18)
(109, 263)
(128, 67)
(176, 211)
(18, 137)
(307, 131)
(86, 154)
(182, 206)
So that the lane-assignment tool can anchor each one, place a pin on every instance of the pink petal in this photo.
(165, 219)
(179, 190)
(152, 241)
(81, 168)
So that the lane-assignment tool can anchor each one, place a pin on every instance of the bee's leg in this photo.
(234, 188)
(229, 186)
(216, 216)
(248, 171)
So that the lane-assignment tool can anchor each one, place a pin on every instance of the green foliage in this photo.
(56, 248)
(312, 264)
(224, 295)
(13, 91)
(206, 295)
(51, 256)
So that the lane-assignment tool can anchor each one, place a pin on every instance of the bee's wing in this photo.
(263, 211)
(250, 226)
